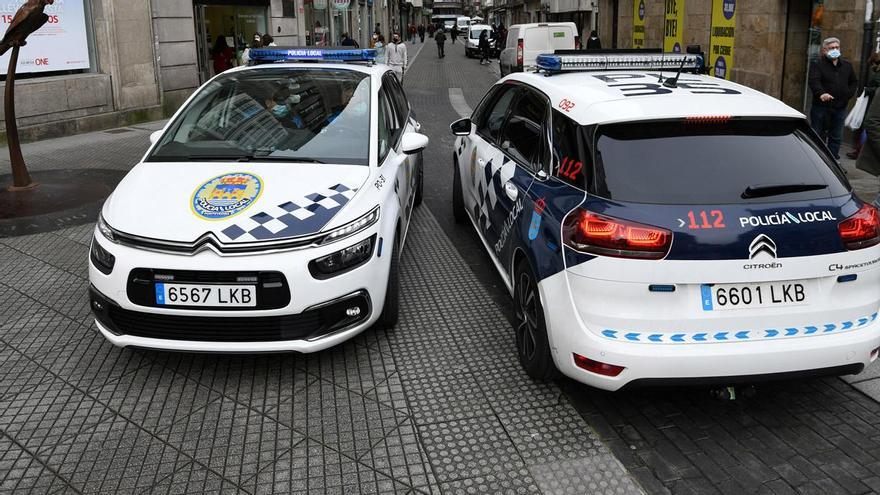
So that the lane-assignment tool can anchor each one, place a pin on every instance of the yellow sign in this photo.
(638, 23)
(673, 39)
(722, 37)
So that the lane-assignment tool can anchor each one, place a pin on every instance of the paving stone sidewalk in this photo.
(437, 405)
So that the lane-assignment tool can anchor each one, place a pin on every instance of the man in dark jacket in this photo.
(833, 82)
(440, 38)
(869, 158)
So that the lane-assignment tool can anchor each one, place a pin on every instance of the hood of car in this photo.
(237, 203)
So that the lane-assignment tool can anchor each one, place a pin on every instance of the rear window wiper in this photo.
(765, 190)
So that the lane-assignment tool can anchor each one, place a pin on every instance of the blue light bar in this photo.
(629, 61)
(275, 54)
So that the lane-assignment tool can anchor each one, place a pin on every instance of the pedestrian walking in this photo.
(256, 42)
(870, 90)
(593, 42)
(396, 56)
(268, 40)
(222, 55)
(412, 33)
(440, 38)
(421, 33)
(485, 47)
(380, 47)
(833, 82)
(431, 30)
(454, 33)
(869, 158)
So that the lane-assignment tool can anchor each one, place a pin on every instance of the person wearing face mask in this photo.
(395, 56)
(257, 42)
(833, 82)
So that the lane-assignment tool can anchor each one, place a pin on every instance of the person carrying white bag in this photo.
(870, 88)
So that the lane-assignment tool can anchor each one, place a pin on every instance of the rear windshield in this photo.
(739, 161)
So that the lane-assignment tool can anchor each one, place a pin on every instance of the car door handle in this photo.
(511, 190)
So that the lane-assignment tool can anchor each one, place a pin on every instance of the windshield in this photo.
(740, 161)
(308, 115)
(475, 33)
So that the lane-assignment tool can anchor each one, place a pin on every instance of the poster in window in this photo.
(639, 24)
(673, 38)
(61, 44)
(722, 37)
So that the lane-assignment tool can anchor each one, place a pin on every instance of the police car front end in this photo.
(252, 225)
(751, 259)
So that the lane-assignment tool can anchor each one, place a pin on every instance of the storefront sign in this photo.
(639, 24)
(61, 44)
(674, 27)
(722, 37)
(341, 4)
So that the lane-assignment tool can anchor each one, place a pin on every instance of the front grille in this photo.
(272, 289)
(309, 324)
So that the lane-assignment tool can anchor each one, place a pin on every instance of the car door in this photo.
(523, 145)
(397, 167)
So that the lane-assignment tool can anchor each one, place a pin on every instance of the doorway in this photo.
(237, 21)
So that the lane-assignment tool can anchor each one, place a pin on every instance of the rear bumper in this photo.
(647, 363)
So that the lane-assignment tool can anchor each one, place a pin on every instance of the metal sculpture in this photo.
(28, 19)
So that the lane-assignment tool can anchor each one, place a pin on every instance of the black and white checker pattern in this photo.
(294, 218)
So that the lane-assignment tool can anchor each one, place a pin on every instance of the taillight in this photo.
(577, 42)
(597, 367)
(862, 229)
(519, 53)
(588, 232)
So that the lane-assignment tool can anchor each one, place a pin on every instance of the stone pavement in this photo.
(437, 405)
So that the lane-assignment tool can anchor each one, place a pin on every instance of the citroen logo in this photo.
(762, 244)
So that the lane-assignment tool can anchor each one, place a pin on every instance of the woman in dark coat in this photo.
(485, 47)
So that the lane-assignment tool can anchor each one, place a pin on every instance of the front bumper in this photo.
(710, 362)
(314, 318)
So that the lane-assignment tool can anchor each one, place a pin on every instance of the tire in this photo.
(420, 185)
(532, 345)
(391, 308)
(458, 211)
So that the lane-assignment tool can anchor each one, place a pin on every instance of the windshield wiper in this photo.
(250, 158)
(765, 190)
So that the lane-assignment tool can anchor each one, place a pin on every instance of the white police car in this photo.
(268, 215)
(655, 228)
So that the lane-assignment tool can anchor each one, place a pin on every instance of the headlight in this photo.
(105, 229)
(353, 227)
(102, 260)
(343, 260)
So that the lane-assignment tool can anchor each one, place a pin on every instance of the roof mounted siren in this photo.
(270, 55)
(579, 60)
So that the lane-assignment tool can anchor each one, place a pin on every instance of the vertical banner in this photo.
(672, 34)
(722, 38)
(61, 44)
(638, 24)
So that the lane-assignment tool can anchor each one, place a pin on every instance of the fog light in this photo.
(597, 367)
(353, 311)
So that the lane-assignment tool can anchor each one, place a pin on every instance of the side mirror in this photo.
(461, 127)
(154, 137)
(413, 142)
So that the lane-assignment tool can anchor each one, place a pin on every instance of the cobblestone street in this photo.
(439, 404)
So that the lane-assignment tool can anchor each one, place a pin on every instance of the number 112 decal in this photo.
(700, 220)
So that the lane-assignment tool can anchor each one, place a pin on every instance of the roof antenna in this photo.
(672, 82)
(660, 78)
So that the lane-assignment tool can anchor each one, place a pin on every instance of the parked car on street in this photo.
(680, 230)
(526, 41)
(268, 215)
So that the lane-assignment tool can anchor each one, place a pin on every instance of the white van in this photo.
(526, 41)
(463, 23)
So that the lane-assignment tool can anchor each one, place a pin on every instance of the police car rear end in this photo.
(717, 240)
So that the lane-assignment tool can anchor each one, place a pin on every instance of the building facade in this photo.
(107, 63)
(764, 44)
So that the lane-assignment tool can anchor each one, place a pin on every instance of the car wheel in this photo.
(458, 211)
(532, 344)
(391, 308)
(420, 185)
